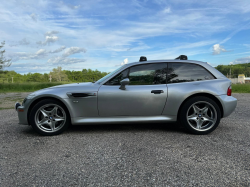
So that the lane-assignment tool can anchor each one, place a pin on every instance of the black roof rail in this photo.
(182, 57)
(143, 58)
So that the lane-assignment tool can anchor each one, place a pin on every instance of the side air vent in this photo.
(182, 57)
(143, 58)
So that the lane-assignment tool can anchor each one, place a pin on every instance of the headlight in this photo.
(31, 96)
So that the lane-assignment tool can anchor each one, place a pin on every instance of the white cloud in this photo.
(73, 50)
(58, 50)
(167, 10)
(33, 17)
(241, 60)
(63, 60)
(48, 40)
(41, 52)
(51, 33)
(217, 49)
(125, 61)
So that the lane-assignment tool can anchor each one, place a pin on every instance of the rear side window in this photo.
(184, 72)
(148, 74)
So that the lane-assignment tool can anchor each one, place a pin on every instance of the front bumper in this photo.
(22, 114)
(229, 104)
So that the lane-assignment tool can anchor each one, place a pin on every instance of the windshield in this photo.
(109, 75)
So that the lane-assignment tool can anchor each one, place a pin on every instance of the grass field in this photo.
(241, 88)
(25, 87)
(30, 87)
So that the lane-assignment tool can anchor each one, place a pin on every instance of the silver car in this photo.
(191, 92)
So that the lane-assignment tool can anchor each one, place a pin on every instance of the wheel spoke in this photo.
(43, 122)
(52, 125)
(59, 118)
(192, 117)
(54, 111)
(199, 123)
(196, 109)
(204, 110)
(44, 112)
(207, 118)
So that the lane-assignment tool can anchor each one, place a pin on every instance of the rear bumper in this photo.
(229, 104)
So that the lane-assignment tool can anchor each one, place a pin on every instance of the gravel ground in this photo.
(127, 155)
(7, 100)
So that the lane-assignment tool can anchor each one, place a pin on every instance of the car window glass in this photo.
(148, 74)
(184, 72)
(117, 79)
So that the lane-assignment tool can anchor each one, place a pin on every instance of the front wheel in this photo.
(49, 117)
(200, 115)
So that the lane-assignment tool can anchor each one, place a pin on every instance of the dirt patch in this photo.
(8, 100)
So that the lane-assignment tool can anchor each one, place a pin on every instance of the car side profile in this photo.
(191, 92)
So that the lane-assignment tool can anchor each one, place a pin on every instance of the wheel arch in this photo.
(205, 95)
(46, 97)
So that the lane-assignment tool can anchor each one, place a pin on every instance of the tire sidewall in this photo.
(39, 105)
(186, 106)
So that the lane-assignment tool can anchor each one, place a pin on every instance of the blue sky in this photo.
(105, 34)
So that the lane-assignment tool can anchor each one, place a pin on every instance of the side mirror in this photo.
(124, 82)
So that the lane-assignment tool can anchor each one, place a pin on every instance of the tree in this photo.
(58, 75)
(3, 62)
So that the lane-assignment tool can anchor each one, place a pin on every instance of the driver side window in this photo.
(116, 80)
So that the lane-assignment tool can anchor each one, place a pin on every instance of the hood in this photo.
(72, 85)
(62, 90)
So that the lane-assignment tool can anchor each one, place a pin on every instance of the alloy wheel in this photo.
(50, 118)
(201, 116)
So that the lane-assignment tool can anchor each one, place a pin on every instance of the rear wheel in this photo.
(49, 117)
(200, 115)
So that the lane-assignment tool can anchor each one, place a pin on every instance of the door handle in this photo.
(157, 91)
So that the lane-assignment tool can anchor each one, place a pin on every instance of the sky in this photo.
(105, 34)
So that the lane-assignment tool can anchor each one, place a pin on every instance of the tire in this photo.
(200, 115)
(49, 117)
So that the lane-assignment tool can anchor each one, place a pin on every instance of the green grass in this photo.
(241, 88)
(26, 87)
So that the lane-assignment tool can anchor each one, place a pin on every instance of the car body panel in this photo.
(108, 104)
(178, 92)
(228, 103)
(136, 100)
(122, 119)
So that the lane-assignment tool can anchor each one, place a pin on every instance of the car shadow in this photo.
(107, 128)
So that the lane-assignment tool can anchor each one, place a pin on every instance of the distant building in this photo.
(241, 78)
(247, 79)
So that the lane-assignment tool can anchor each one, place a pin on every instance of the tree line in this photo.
(56, 75)
(235, 70)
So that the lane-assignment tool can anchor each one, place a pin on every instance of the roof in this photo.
(167, 60)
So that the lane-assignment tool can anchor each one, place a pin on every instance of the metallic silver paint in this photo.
(136, 100)
(122, 119)
(136, 103)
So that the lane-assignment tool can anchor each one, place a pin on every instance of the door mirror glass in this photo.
(124, 82)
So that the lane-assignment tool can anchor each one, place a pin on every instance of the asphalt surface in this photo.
(127, 155)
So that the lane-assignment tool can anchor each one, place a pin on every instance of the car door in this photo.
(145, 95)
